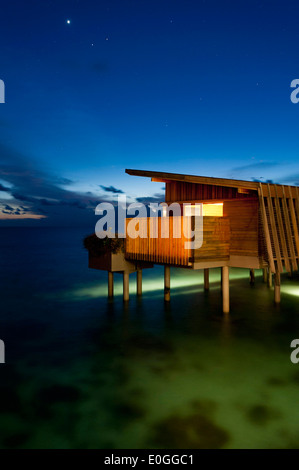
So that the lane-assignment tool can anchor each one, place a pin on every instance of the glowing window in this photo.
(212, 210)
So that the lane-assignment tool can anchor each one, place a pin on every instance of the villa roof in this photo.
(165, 177)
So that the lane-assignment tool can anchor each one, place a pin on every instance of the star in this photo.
(68, 21)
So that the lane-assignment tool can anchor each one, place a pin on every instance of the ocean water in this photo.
(83, 371)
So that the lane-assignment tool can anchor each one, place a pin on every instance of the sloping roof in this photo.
(232, 183)
(162, 176)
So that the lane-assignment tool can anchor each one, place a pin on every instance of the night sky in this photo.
(94, 87)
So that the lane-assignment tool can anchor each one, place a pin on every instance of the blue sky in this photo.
(198, 87)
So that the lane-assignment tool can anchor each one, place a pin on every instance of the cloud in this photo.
(4, 188)
(111, 189)
(156, 198)
(255, 171)
(36, 193)
(9, 210)
(21, 197)
(262, 180)
(64, 181)
(25, 209)
(255, 166)
(290, 179)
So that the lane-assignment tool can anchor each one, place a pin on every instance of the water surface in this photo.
(85, 372)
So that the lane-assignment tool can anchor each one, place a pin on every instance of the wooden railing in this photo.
(173, 249)
(145, 247)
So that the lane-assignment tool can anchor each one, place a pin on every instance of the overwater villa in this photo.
(245, 224)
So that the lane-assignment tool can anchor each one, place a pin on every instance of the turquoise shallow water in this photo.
(85, 372)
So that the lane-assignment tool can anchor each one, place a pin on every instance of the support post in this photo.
(167, 283)
(139, 281)
(269, 277)
(225, 289)
(277, 287)
(110, 285)
(206, 279)
(252, 277)
(265, 275)
(126, 286)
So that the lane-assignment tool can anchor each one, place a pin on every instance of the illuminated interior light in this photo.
(212, 210)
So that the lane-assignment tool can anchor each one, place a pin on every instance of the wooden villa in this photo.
(246, 224)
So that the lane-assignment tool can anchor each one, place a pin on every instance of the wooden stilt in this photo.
(167, 283)
(110, 285)
(277, 287)
(252, 276)
(265, 275)
(206, 279)
(269, 277)
(139, 281)
(126, 286)
(225, 289)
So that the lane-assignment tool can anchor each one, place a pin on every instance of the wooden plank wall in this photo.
(216, 240)
(243, 217)
(176, 191)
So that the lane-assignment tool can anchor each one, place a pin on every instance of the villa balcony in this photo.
(158, 244)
